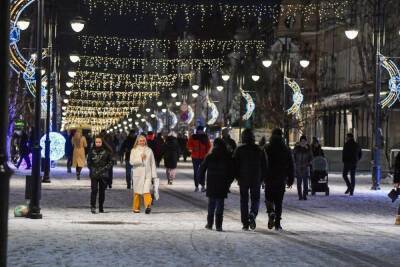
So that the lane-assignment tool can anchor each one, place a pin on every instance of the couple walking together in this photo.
(144, 174)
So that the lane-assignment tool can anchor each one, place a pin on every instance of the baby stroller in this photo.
(319, 176)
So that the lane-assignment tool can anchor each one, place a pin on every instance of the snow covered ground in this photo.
(338, 230)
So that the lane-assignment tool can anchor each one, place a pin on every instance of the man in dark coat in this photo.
(219, 167)
(69, 149)
(250, 167)
(351, 155)
(24, 150)
(126, 148)
(229, 142)
(170, 152)
(303, 156)
(280, 172)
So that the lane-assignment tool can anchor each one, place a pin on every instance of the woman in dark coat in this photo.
(219, 167)
(99, 163)
(170, 152)
(396, 182)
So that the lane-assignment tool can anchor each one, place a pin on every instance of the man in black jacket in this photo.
(280, 172)
(351, 155)
(250, 168)
(126, 147)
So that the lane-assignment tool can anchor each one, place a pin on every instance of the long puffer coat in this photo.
(143, 170)
(170, 152)
(99, 163)
(302, 159)
(219, 167)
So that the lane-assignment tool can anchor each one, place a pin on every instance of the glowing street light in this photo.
(77, 24)
(351, 33)
(267, 63)
(255, 77)
(23, 24)
(220, 88)
(304, 63)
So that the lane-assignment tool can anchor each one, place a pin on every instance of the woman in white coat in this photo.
(144, 171)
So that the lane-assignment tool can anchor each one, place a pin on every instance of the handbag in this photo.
(394, 194)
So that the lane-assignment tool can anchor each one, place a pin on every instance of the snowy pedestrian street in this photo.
(335, 230)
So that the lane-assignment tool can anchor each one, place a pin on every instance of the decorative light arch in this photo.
(394, 82)
(18, 62)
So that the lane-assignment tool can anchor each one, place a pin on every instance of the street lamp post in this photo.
(46, 174)
(5, 172)
(34, 204)
(377, 101)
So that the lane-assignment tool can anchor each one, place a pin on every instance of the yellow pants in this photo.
(136, 201)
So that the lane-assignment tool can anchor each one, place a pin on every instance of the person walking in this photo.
(144, 171)
(302, 159)
(198, 145)
(99, 163)
(396, 183)
(351, 154)
(280, 173)
(170, 152)
(108, 141)
(250, 166)
(316, 147)
(219, 167)
(183, 140)
(78, 159)
(159, 142)
(69, 148)
(24, 151)
(229, 142)
(126, 148)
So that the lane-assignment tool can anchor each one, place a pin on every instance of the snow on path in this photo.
(337, 230)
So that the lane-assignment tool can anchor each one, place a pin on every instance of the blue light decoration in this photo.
(297, 98)
(17, 61)
(57, 146)
(394, 82)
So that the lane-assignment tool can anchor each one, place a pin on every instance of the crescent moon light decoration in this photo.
(214, 112)
(394, 82)
(250, 106)
(160, 123)
(174, 119)
(298, 97)
(190, 115)
(149, 127)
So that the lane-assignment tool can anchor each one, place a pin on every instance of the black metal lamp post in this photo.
(34, 204)
(5, 172)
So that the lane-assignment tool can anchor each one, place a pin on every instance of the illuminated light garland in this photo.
(140, 47)
(135, 78)
(263, 12)
(394, 82)
(298, 97)
(113, 95)
(96, 103)
(126, 85)
(159, 64)
(57, 145)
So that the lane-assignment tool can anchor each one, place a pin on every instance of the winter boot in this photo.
(271, 220)
(278, 226)
(252, 221)
(93, 210)
(397, 220)
(148, 210)
(210, 222)
(218, 222)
